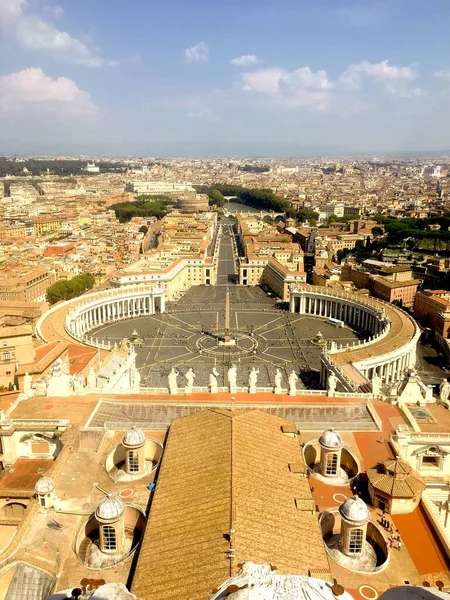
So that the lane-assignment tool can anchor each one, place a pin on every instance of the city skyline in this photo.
(263, 79)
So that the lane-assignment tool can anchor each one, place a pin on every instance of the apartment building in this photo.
(16, 349)
(25, 284)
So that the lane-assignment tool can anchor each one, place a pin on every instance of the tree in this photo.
(68, 289)
(377, 231)
(216, 197)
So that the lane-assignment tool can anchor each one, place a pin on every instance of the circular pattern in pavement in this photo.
(368, 592)
(339, 498)
(126, 493)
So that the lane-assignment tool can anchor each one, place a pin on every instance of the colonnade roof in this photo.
(401, 332)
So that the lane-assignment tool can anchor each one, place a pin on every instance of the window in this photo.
(109, 538)
(133, 461)
(431, 462)
(6, 355)
(356, 541)
(331, 464)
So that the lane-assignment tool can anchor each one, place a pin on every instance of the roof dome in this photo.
(355, 510)
(44, 485)
(331, 439)
(134, 437)
(110, 508)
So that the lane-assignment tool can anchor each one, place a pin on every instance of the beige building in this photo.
(16, 349)
(25, 284)
(395, 487)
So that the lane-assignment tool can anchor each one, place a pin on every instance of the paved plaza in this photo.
(266, 336)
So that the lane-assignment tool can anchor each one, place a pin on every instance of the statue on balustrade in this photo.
(278, 379)
(444, 392)
(173, 383)
(232, 379)
(376, 384)
(190, 376)
(252, 380)
(213, 381)
(293, 383)
(331, 384)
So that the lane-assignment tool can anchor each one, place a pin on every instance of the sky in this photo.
(223, 78)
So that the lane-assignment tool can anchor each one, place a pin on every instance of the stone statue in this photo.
(91, 379)
(376, 384)
(41, 387)
(232, 377)
(213, 381)
(278, 379)
(252, 380)
(190, 376)
(135, 378)
(78, 386)
(173, 384)
(27, 382)
(60, 382)
(444, 391)
(331, 384)
(293, 383)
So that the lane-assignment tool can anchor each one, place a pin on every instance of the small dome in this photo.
(134, 437)
(354, 510)
(331, 439)
(110, 508)
(44, 485)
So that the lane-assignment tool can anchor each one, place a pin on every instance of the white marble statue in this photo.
(91, 379)
(444, 391)
(293, 383)
(376, 384)
(252, 380)
(135, 378)
(278, 379)
(173, 384)
(60, 382)
(213, 381)
(78, 386)
(190, 376)
(331, 384)
(40, 387)
(232, 378)
(27, 384)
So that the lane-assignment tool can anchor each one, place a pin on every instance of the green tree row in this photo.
(71, 288)
(144, 206)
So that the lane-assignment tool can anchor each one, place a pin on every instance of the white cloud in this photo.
(381, 72)
(33, 88)
(291, 89)
(445, 75)
(246, 60)
(197, 53)
(265, 81)
(54, 9)
(35, 34)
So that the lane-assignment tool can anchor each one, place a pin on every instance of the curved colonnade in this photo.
(81, 315)
(391, 335)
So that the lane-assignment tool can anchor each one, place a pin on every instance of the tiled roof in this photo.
(396, 478)
(226, 472)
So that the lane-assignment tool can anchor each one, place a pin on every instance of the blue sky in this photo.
(253, 77)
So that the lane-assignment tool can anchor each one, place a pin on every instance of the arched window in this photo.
(6, 355)
(331, 464)
(109, 537)
(355, 542)
(133, 461)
